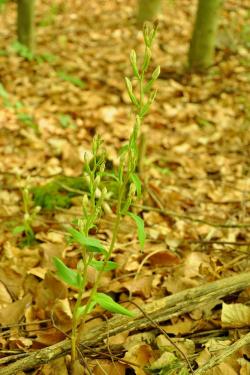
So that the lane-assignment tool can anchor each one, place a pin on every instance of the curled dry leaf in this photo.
(108, 367)
(142, 355)
(140, 286)
(12, 313)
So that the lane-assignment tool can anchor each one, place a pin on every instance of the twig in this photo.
(190, 218)
(222, 356)
(165, 334)
(221, 242)
(159, 311)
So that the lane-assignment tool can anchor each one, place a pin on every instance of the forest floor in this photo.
(196, 177)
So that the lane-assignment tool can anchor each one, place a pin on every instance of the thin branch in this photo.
(216, 360)
(159, 311)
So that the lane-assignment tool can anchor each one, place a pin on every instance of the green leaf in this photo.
(98, 265)
(111, 175)
(109, 304)
(156, 73)
(72, 79)
(130, 92)
(146, 60)
(91, 244)
(3, 93)
(82, 309)
(66, 121)
(22, 50)
(19, 229)
(140, 228)
(152, 97)
(136, 180)
(69, 276)
(123, 149)
(149, 84)
(144, 110)
(134, 63)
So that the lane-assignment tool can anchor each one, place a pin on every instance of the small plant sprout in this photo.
(30, 214)
(128, 186)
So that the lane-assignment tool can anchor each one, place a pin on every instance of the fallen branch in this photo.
(216, 360)
(159, 311)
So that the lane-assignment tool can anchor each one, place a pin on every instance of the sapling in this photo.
(128, 186)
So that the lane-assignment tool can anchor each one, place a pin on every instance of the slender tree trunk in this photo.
(148, 10)
(202, 46)
(25, 23)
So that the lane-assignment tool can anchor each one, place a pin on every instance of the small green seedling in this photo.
(66, 121)
(71, 79)
(22, 51)
(29, 216)
(128, 187)
(28, 121)
(5, 97)
(26, 54)
(2, 3)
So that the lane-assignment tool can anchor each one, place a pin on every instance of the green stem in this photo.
(76, 307)
(111, 248)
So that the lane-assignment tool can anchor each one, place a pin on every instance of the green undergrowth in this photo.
(59, 192)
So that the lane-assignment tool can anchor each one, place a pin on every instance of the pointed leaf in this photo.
(136, 180)
(69, 276)
(134, 63)
(130, 92)
(146, 60)
(18, 229)
(140, 228)
(3, 93)
(81, 310)
(156, 73)
(98, 265)
(109, 304)
(91, 244)
(123, 149)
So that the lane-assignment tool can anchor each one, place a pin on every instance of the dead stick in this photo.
(159, 311)
(216, 360)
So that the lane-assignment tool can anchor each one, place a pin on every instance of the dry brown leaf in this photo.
(20, 343)
(108, 367)
(139, 286)
(62, 314)
(181, 327)
(12, 313)
(235, 315)
(164, 259)
(5, 297)
(46, 338)
(49, 290)
(56, 367)
(142, 355)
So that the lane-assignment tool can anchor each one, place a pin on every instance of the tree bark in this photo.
(148, 10)
(202, 45)
(159, 311)
(25, 23)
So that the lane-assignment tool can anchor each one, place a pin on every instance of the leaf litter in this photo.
(195, 178)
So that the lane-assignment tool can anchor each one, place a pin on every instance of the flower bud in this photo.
(132, 190)
(97, 180)
(85, 200)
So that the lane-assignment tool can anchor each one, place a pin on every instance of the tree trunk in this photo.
(148, 10)
(25, 23)
(202, 46)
